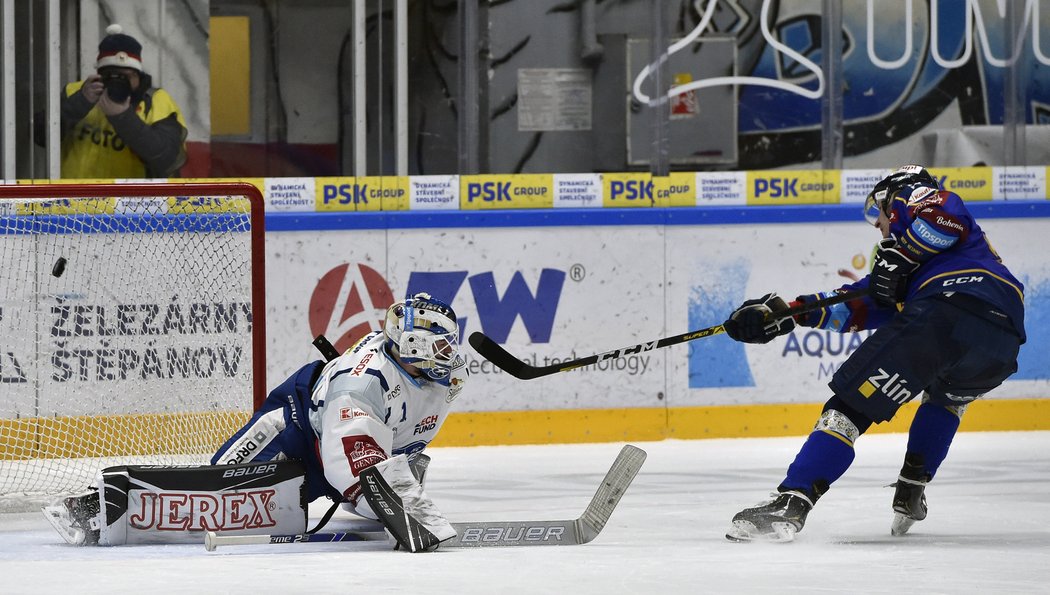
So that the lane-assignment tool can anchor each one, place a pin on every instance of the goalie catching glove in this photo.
(756, 321)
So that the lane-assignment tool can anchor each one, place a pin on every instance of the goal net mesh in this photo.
(128, 328)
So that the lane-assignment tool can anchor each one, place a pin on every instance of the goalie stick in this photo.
(521, 370)
(492, 533)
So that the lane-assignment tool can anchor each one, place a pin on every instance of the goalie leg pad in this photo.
(157, 504)
(400, 503)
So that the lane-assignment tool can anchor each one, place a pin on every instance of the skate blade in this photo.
(58, 517)
(746, 531)
(901, 524)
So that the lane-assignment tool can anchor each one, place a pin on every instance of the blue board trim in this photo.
(613, 217)
(104, 223)
(16, 224)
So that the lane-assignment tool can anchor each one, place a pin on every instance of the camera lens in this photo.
(118, 87)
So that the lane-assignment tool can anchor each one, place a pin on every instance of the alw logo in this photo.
(351, 300)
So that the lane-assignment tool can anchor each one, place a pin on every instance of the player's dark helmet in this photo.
(424, 332)
(880, 199)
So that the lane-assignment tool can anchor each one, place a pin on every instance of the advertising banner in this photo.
(547, 300)
(542, 297)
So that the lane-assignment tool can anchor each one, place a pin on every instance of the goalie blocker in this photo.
(160, 504)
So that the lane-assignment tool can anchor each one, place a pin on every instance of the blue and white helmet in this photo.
(423, 332)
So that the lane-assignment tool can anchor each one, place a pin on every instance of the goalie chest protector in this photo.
(144, 504)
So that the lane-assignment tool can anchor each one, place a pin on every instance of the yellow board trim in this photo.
(186, 433)
(689, 423)
(117, 435)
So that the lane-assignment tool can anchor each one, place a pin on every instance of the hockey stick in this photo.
(492, 533)
(521, 370)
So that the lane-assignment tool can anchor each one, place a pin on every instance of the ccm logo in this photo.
(961, 280)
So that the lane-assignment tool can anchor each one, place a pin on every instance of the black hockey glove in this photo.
(889, 276)
(755, 321)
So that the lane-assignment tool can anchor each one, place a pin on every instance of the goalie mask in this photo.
(423, 332)
(880, 199)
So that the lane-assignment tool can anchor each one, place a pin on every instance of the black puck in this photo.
(59, 268)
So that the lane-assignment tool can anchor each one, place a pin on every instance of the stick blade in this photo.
(617, 480)
(500, 357)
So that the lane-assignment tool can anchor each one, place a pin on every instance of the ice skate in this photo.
(76, 518)
(776, 521)
(909, 498)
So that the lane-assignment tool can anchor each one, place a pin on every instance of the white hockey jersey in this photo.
(367, 408)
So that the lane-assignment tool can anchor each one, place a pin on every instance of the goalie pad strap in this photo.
(158, 504)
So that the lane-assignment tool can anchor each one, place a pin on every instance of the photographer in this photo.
(115, 124)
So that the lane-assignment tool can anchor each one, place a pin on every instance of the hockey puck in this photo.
(59, 268)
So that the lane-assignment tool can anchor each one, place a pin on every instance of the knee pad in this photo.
(841, 419)
(958, 410)
(837, 423)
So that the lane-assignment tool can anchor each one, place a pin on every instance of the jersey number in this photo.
(404, 413)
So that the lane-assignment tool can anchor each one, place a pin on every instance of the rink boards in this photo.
(556, 285)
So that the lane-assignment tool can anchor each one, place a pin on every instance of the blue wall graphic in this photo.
(1033, 363)
(718, 361)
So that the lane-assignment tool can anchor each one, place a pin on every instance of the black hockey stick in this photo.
(492, 533)
(521, 370)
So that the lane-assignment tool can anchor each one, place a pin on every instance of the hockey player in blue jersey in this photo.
(950, 320)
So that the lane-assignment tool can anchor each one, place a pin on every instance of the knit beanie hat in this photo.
(118, 49)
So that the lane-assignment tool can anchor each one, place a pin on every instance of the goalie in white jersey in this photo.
(388, 395)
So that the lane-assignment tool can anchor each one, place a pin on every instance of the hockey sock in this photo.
(824, 457)
(931, 434)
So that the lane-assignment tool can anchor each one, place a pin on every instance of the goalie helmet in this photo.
(423, 332)
(909, 177)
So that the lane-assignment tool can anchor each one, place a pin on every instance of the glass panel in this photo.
(287, 88)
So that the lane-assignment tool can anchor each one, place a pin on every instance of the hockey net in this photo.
(132, 325)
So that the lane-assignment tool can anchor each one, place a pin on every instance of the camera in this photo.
(117, 85)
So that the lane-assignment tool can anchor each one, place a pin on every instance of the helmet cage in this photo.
(425, 333)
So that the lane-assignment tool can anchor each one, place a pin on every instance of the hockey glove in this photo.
(889, 276)
(813, 317)
(755, 321)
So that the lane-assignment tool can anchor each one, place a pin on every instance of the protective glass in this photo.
(875, 204)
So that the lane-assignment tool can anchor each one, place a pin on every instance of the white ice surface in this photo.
(988, 530)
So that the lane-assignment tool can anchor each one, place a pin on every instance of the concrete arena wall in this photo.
(556, 285)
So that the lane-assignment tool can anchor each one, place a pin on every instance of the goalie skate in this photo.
(776, 521)
(75, 518)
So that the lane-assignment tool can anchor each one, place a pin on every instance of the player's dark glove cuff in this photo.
(755, 321)
(889, 275)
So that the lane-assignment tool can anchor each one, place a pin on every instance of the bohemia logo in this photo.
(349, 302)
(181, 511)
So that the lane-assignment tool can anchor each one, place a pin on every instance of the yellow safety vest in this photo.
(92, 148)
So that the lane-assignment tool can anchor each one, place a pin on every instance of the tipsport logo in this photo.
(351, 300)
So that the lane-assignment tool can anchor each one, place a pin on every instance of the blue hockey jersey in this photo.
(934, 228)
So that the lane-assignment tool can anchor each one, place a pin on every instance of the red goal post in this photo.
(128, 314)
